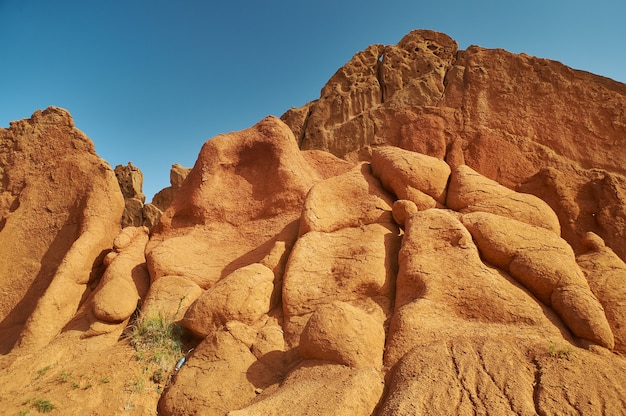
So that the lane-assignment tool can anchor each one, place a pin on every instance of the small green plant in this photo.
(43, 370)
(158, 376)
(139, 384)
(158, 340)
(23, 412)
(63, 377)
(105, 380)
(75, 385)
(555, 352)
(552, 349)
(43, 406)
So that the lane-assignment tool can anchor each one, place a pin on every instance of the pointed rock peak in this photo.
(429, 41)
(53, 115)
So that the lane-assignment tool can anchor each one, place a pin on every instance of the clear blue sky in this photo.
(150, 81)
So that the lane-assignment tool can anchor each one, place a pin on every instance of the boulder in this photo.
(151, 215)
(133, 213)
(347, 392)
(170, 296)
(434, 301)
(545, 264)
(412, 176)
(606, 275)
(470, 191)
(344, 334)
(125, 280)
(243, 296)
(347, 200)
(216, 378)
(352, 265)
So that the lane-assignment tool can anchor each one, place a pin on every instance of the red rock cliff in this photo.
(531, 124)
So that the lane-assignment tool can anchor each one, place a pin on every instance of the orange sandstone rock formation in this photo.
(530, 124)
(61, 208)
(461, 251)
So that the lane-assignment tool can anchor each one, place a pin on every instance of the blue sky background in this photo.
(150, 81)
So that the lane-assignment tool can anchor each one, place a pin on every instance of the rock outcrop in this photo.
(60, 208)
(530, 124)
(442, 232)
(137, 212)
(130, 179)
(124, 282)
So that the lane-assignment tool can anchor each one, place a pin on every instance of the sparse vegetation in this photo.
(43, 406)
(139, 384)
(563, 352)
(63, 377)
(158, 340)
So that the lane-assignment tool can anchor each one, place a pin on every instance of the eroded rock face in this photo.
(412, 276)
(164, 197)
(130, 179)
(522, 121)
(261, 166)
(60, 209)
(377, 286)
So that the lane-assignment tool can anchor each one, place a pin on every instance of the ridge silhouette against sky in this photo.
(151, 81)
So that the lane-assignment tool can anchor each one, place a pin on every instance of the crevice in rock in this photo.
(461, 110)
(445, 78)
(465, 391)
(483, 365)
(536, 386)
(305, 125)
(379, 77)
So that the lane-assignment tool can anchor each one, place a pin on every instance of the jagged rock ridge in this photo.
(136, 212)
(411, 276)
(531, 124)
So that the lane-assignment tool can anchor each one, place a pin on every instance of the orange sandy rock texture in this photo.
(368, 284)
(60, 206)
(442, 232)
(530, 124)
